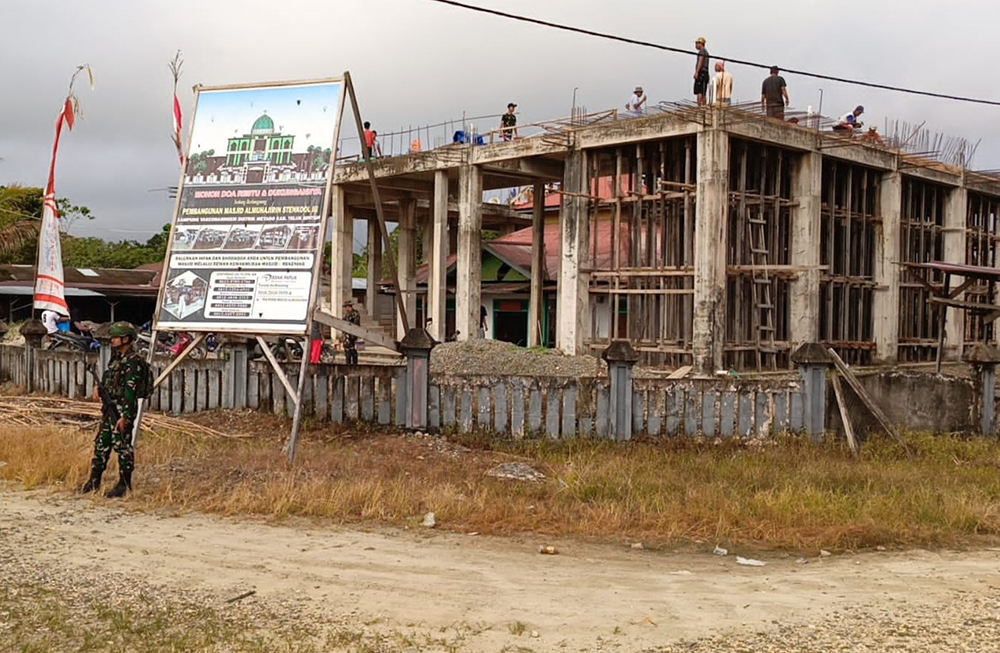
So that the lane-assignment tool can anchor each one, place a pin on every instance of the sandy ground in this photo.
(586, 598)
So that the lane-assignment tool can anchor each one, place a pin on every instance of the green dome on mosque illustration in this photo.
(263, 125)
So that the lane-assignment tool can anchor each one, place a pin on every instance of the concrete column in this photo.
(469, 264)
(813, 362)
(34, 331)
(807, 180)
(407, 262)
(887, 250)
(573, 293)
(374, 265)
(535, 303)
(342, 251)
(711, 212)
(437, 255)
(956, 209)
(621, 358)
(417, 345)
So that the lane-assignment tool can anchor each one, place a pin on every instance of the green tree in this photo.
(20, 220)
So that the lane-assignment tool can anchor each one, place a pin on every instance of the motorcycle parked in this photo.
(70, 340)
(168, 343)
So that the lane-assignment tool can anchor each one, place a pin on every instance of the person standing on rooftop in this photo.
(774, 95)
(508, 123)
(722, 85)
(637, 103)
(701, 71)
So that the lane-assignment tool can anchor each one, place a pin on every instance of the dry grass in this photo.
(794, 495)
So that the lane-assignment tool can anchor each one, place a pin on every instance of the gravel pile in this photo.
(495, 358)
(969, 622)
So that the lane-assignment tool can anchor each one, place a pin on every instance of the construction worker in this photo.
(508, 123)
(849, 122)
(126, 380)
(701, 74)
(722, 85)
(637, 103)
(872, 136)
(774, 95)
(350, 341)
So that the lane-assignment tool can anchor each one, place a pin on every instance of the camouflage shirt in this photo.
(125, 372)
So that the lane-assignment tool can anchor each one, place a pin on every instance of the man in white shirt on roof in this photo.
(637, 104)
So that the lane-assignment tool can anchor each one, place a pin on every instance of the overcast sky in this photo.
(419, 62)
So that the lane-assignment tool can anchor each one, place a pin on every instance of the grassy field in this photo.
(787, 494)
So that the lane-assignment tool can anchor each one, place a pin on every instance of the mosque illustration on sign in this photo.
(265, 155)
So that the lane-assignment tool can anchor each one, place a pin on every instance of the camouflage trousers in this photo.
(106, 440)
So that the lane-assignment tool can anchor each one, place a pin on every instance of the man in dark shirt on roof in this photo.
(701, 71)
(508, 123)
(774, 95)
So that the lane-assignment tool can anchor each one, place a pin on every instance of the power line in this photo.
(667, 48)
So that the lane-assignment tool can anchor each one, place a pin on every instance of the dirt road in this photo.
(503, 595)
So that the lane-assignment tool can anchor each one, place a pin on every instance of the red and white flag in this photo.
(49, 286)
(177, 128)
(175, 70)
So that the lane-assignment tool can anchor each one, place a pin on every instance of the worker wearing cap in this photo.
(121, 383)
(508, 123)
(349, 340)
(850, 121)
(637, 103)
(701, 71)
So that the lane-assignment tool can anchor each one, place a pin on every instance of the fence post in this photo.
(984, 358)
(417, 345)
(33, 332)
(621, 358)
(813, 362)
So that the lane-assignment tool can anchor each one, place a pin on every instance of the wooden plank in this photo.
(844, 417)
(859, 390)
(680, 372)
(215, 383)
(355, 330)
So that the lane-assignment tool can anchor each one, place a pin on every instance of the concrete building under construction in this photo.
(711, 237)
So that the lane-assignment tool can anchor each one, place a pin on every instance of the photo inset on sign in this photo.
(184, 294)
(274, 237)
(242, 237)
(210, 239)
(303, 237)
(185, 238)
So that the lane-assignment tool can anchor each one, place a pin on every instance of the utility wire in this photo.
(667, 48)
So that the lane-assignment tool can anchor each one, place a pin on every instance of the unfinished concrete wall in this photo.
(847, 244)
(922, 223)
(980, 249)
(758, 255)
(642, 247)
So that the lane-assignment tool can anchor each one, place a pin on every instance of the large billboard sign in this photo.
(250, 223)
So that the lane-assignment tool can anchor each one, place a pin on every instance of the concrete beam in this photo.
(342, 250)
(407, 259)
(437, 282)
(807, 180)
(886, 273)
(536, 167)
(573, 296)
(710, 245)
(469, 264)
(535, 303)
(956, 208)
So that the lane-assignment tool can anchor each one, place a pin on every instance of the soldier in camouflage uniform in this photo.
(125, 373)
(351, 341)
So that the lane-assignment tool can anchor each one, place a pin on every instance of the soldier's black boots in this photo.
(93, 483)
(124, 485)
